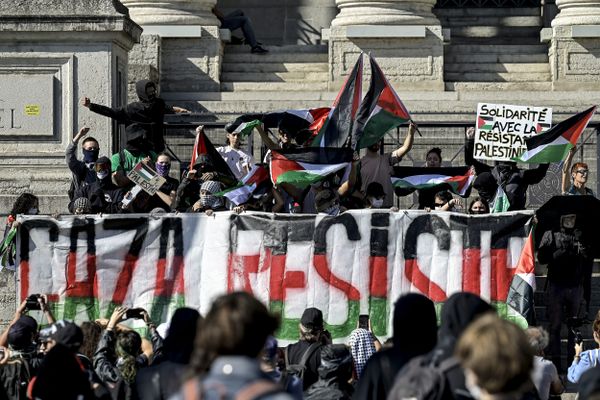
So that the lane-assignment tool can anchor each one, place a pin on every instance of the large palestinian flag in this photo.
(380, 110)
(456, 179)
(337, 128)
(554, 144)
(240, 193)
(302, 166)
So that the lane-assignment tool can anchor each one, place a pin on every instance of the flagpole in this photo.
(416, 127)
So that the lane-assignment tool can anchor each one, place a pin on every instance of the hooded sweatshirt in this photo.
(147, 111)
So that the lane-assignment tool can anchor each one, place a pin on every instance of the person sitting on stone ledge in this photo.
(149, 111)
(579, 176)
(83, 170)
(237, 19)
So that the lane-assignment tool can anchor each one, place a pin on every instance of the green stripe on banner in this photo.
(377, 126)
(289, 326)
(300, 179)
(378, 314)
(509, 314)
(72, 304)
(161, 306)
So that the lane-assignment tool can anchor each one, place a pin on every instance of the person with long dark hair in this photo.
(27, 204)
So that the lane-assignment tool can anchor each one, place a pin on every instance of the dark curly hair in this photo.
(91, 336)
(23, 203)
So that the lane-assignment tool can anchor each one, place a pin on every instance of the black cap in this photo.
(21, 332)
(375, 189)
(68, 334)
(312, 318)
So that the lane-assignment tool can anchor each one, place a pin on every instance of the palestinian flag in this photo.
(380, 111)
(245, 128)
(295, 121)
(485, 123)
(500, 203)
(244, 189)
(244, 124)
(554, 144)
(144, 171)
(302, 166)
(456, 179)
(338, 126)
(522, 287)
(203, 146)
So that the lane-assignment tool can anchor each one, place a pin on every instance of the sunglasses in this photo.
(439, 204)
(583, 171)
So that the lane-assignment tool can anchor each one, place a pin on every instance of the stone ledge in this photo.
(385, 31)
(585, 31)
(173, 31)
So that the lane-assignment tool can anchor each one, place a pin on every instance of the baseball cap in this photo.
(312, 318)
(21, 332)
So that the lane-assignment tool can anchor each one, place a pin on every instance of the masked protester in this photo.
(208, 201)
(138, 148)
(567, 255)
(479, 206)
(163, 199)
(103, 195)
(328, 202)
(83, 170)
(150, 111)
(374, 196)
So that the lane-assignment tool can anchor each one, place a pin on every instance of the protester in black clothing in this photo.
(478, 206)
(83, 171)
(119, 357)
(237, 19)
(311, 339)
(28, 204)
(415, 333)
(457, 313)
(513, 180)
(149, 111)
(164, 378)
(60, 377)
(567, 255)
(167, 192)
(335, 373)
(104, 196)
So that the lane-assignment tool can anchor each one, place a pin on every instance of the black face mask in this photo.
(90, 156)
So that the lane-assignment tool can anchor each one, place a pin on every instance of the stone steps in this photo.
(487, 12)
(514, 21)
(499, 67)
(474, 76)
(483, 86)
(287, 49)
(272, 86)
(297, 57)
(292, 77)
(495, 31)
(477, 48)
(275, 67)
(495, 58)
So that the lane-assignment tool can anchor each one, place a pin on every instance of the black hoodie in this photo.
(148, 112)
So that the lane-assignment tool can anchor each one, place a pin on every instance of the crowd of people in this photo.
(231, 353)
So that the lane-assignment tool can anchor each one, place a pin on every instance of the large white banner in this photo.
(356, 263)
(502, 129)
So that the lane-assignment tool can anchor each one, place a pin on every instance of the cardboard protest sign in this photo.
(359, 262)
(502, 129)
(146, 178)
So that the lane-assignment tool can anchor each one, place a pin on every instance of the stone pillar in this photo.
(403, 35)
(53, 52)
(575, 45)
(181, 47)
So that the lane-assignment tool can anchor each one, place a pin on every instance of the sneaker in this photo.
(259, 50)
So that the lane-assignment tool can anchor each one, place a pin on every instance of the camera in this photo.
(32, 303)
(574, 324)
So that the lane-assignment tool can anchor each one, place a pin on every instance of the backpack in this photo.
(193, 390)
(297, 370)
(422, 378)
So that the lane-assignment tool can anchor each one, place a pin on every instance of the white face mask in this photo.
(102, 174)
(33, 211)
(377, 203)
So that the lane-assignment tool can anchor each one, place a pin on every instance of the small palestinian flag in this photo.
(144, 171)
(456, 179)
(380, 111)
(522, 287)
(244, 189)
(303, 166)
(245, 128)
(554, 144)
(337, 128)
(296, 120)
(485, 123)
(500, 203)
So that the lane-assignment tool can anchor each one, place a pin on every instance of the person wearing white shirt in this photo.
(239, 161)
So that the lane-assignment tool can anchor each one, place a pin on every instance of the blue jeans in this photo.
(236, 20)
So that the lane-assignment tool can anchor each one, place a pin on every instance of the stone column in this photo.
(181, 47)
(403, 35)
(575, 45)
(53, 52)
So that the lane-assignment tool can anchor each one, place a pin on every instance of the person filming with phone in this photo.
(19, 358)
(120, 352)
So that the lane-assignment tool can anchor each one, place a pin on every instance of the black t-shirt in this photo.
(295, 353)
